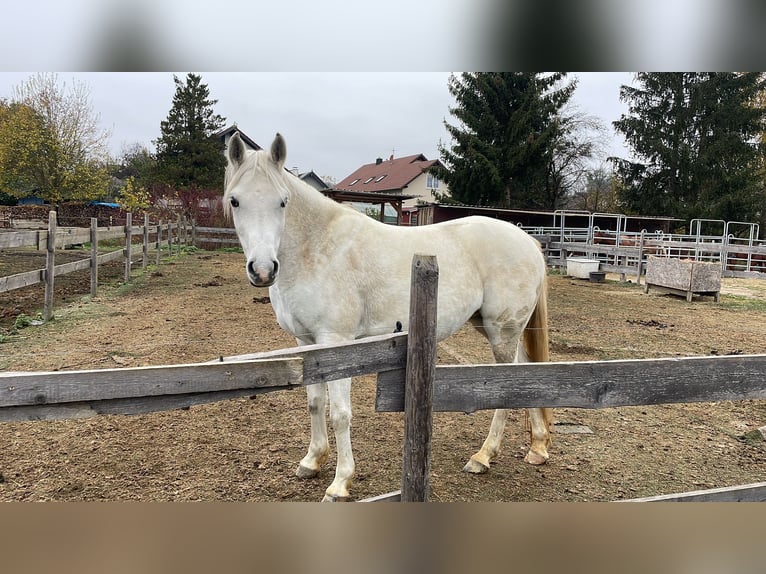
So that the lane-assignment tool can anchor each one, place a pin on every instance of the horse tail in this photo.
(536, 338)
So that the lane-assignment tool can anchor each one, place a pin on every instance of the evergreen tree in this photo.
(503, 145)
(188, 156)
(694, 138)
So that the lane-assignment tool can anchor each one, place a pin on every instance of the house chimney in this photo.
(379, 161)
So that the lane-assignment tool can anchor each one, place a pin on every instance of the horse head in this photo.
(255, 197)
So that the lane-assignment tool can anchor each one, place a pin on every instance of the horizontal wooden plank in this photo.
(585, 384)
(217, 230)
(66, 236)
(19, 280)
(111, 256)
(323, 363)
(203, 239)
(17, 389)
(19, 239)
(395, 496)
(71, 267)
(129, 406)
(755, 492)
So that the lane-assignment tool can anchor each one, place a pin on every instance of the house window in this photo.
(381, 178)
(432, 182)
(369, 179)
(354, 182)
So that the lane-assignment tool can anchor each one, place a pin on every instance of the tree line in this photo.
(51, 147)
(696, 141)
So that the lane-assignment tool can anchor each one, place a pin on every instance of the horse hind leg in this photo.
(540, 419)
(505, 350)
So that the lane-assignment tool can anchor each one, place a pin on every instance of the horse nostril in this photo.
(276, 268)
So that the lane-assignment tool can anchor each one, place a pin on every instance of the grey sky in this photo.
(333, 122)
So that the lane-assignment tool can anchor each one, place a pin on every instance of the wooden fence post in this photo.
(93, 256)
(128, 239)
(170, 239)
(420, 372)
(50, 264)
(178, 234)
(145, 258)
(159, 241)
(640, 263)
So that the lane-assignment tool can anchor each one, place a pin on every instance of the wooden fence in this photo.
(60, 238)
(401, 361)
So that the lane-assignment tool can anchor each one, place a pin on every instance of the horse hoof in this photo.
(475, 467)
(535, 458)
(305, 472)
(329, 498)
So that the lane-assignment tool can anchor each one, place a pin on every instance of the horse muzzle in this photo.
(262, 275)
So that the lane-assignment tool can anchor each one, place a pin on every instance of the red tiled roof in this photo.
(387, 176)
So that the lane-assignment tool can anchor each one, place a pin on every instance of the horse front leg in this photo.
(340, 417)
(319, 447)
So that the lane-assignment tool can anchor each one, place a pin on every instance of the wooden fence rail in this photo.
(466, 388)
(56, 238)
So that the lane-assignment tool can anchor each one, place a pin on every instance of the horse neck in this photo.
(309, 215)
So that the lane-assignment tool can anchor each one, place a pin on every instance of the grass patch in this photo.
(741, 303)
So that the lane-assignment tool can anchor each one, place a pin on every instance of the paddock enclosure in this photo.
(247, 449)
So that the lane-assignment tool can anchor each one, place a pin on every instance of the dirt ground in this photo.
(200, 306)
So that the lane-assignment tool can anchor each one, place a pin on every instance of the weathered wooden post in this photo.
(640, 263)
(128, 240)
(178, 234)
(421, 369)
(159, 241)
(50, 264)
(93, 256)
(145, 254)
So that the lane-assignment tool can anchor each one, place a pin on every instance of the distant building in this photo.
(226, 133)
(408, 175)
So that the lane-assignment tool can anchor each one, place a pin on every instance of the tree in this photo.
(133, 196)
(600, 194)
(51, 142)
(578, 140)
(503, 144)
(188, 156)
(694, 138)
(23, 139)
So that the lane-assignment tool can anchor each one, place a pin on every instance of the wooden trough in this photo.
(683, 277)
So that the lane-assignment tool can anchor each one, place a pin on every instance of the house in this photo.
(313, 180)
(226, 133)
(405, 175)
(309, 177)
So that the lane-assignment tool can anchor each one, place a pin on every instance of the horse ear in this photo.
(236, 150)
(279, 150)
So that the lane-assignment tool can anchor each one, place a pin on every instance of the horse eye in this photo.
(234, 202)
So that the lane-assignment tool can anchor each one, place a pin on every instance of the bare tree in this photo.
(582, 139)
(71, 163)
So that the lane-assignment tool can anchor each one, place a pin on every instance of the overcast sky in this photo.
(333, 122)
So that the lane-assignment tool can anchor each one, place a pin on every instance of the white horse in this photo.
(335, 275)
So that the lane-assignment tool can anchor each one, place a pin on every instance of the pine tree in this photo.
(188, 156)
(694, 138)
(504, 142)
